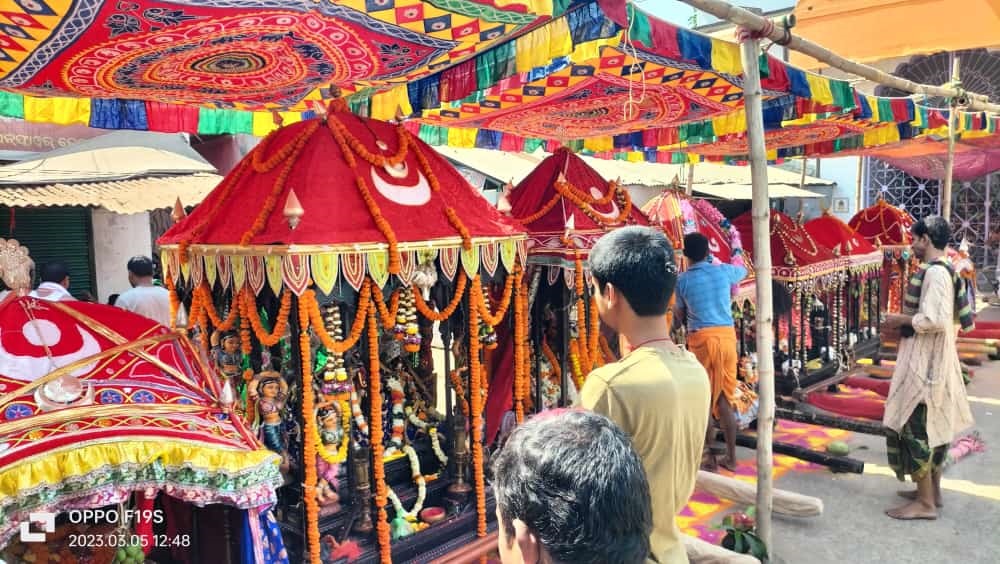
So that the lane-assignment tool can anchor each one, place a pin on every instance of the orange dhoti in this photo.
(715, 348)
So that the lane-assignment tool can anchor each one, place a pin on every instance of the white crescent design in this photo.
(713, 245)
(416, 195)
(594, 192)
(38, 332)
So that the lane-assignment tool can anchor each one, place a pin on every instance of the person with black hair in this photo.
(927, 406)
(145, 298)
(55, 283)
(657, 393)
(570, 489)
(704, 299)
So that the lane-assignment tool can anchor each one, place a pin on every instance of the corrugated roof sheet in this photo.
(123, 196)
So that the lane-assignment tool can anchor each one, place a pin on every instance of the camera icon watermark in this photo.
(46, 519)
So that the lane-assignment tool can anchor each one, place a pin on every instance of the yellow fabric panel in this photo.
(264, 122)
(560, 38)
(873, 104)
(636, 157)
(61, 111)
(820, 88)
(733, 122)
(772, 155)
(592, 49)
(462, 137)
(80, 460)
(599, 144)
(532, 50)
(918, 119)
(726, 57)
(384, 105)
(881, 136)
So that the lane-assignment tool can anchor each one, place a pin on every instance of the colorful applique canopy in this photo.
(884, 225)
(566, 205)
(341, 195)
(97, 402)
(796, 257)
(834, 234)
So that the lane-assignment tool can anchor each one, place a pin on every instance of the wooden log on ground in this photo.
(879, 371)
(701, 552)
(815, 416)
(785, 502)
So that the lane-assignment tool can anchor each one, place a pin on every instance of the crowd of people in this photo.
(604, 482)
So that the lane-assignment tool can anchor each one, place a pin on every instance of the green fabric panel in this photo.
(640, 30)
(885, 113)
(55, 234)
(222, 122)
(11, 105)
(765, 69)
(531, 145)
(843, 94)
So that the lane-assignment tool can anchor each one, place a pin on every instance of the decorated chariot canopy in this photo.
(885, 226)
(834, 234)
(678, 214)
(340, 196)
(797, 258)
(566, 206)
(97, 403)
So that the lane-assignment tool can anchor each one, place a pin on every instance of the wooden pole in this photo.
(761, 213)
(689, 189)
(752, 22)
(950, 162)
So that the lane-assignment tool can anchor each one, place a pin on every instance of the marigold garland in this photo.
(175, 301)
(453, 218)
(609, 355)
(456, 384)
(576, 363)
(585, 204)
(287, 152)
(387, 314)
(375, 420)
(490, 318)
(594, 337)
(309, 439)
(208, 307)
(520, 332)
(444, 314)
(224, 190)
(550, 356)
(357, 327)
(476, 387)
(340, 131)
(280, 323)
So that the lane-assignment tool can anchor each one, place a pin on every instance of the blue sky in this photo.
(680, 13)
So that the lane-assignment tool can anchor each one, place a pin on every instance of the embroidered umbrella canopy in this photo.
(338, 196)
(566, 206)
(259, 54)
(97, 402)
(834, 234)
(888, 228)
(797, 257)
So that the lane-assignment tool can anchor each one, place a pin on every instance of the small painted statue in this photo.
(270, 391)
(331, 434)
(227, 356)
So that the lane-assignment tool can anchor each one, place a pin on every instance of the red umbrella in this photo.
(97, 403)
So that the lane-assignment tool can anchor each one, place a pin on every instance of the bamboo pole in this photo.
(949, 165)
(761, 213)
(689, 189)
(753, 22)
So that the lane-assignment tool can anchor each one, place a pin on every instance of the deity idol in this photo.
(270, 391)
(226, 355)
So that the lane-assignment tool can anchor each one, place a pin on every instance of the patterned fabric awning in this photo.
(98, 402)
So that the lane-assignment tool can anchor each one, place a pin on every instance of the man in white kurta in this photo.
(927, 405)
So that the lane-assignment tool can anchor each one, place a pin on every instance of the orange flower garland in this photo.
(585, 203)
(175, 302)
(550, 356)
(476, 387)
(456, 383)
(309, 438)
(208, 307)
(340, 131)
(224, 190)
(432, 315)
(453, 218)
(246, 347)
(576, 363)
(609, 355)
(387, 314)
(287, 152)
(594, 342)
(357, 327)
(375, 424)
(520, 332)
(249, 310)
(493, 319)
(348, 146)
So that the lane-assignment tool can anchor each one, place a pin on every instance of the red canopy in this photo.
(795, 255)
(382, 172)
(883, 225)
(583, 200)
(97, 402)
(834, 234)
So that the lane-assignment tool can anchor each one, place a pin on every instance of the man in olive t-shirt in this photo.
(658, 393)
